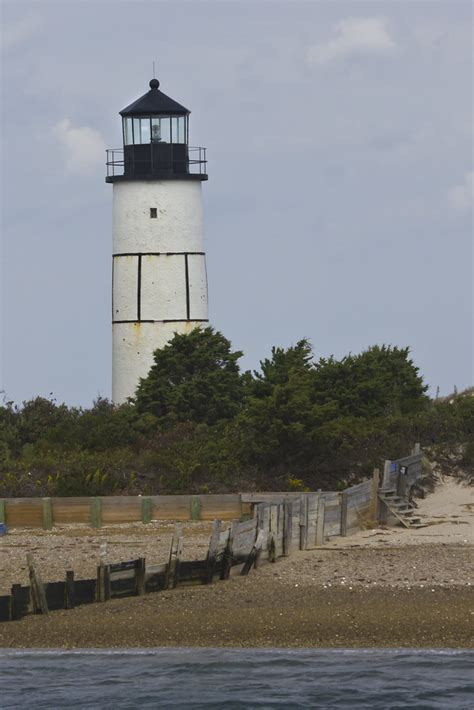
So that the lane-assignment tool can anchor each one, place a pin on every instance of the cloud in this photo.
(461, 197)
(17, 33)
(83, 147)
(356, 35)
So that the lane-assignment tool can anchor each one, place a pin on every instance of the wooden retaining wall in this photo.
(273, 532)
(328, 513)
(109, 510)
(277, 525)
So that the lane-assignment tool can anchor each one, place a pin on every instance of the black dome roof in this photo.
(154, 102)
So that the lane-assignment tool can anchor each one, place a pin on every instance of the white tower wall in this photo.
(159, 283)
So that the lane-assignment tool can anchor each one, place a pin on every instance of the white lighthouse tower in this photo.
(159, 283)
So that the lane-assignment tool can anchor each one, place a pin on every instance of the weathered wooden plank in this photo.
(171, 507)
(212, 551)
(55, 595)
(69, 590)
(121, 509)
(24, 512)
(95, 512)
(287, 529)
(71, 511)
(172, 571)
(121, 575)
(245, 527)
(85, 591)
(140, 577)
(20, 601)
(146, 510)
(387, 474)
(226, 506)
(253, 554)
(270, 497)
(6, 607)
(192, 572)
(228, 554)
(122, 566)
(195, 508)
(104, 590)
(343, 524)
(359, 499)
(47, 514)
(122, 588)
(244, 543)
(156, 569)
(2, 512)
(409, 460)
(320, 521)
(37, 587)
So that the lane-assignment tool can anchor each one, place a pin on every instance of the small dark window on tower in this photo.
(153, 213)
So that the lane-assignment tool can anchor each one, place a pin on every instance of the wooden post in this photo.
(374, 495)
(227, 561)
(416, 450)
(96, 512)
(37, 587)
(3, 517)
(273, 532)
(303, 522)
(320, 522)
(140, 577)
(211, 553)
(195, 508)
(17, 602)
(253, 555)
(172, 568)
(70, 594)
(344, 496)
(288, 528)
(103, 583)
(147, 510)
(47, 514)
(100, 590)
(387, 468)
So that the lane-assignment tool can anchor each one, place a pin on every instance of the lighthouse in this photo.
(159, 281)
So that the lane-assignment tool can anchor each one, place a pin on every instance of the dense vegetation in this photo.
(198, 424)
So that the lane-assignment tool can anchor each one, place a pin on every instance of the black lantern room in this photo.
(155, 142)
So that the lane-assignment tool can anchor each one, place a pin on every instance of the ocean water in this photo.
(240, 678)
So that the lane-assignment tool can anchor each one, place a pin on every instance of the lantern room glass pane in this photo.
(144, 130)
(141, 130)
(136, 130)
(160, 130)
(178, 127)
(155, 130)
(127, 131)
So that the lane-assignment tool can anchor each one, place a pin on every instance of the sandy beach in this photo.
(380, 587)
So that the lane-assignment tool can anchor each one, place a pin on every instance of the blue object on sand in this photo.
(3, 529)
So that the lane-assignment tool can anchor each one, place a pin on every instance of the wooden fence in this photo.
(338, 513)
(96, 512)
(276, 530)
(277, 524)
(280, 525)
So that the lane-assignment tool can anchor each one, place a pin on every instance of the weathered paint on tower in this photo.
(159, 282)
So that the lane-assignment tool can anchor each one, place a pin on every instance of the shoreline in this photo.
(274, 607)
(382, 587)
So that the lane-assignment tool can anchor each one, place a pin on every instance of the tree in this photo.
(381, 381)
(281, 416)
(194, 378)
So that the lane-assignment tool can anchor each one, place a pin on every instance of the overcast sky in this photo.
(340, 194)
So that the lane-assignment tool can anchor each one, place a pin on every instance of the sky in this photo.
(340, 197)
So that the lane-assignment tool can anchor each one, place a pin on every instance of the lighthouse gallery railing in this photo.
(194, 163)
